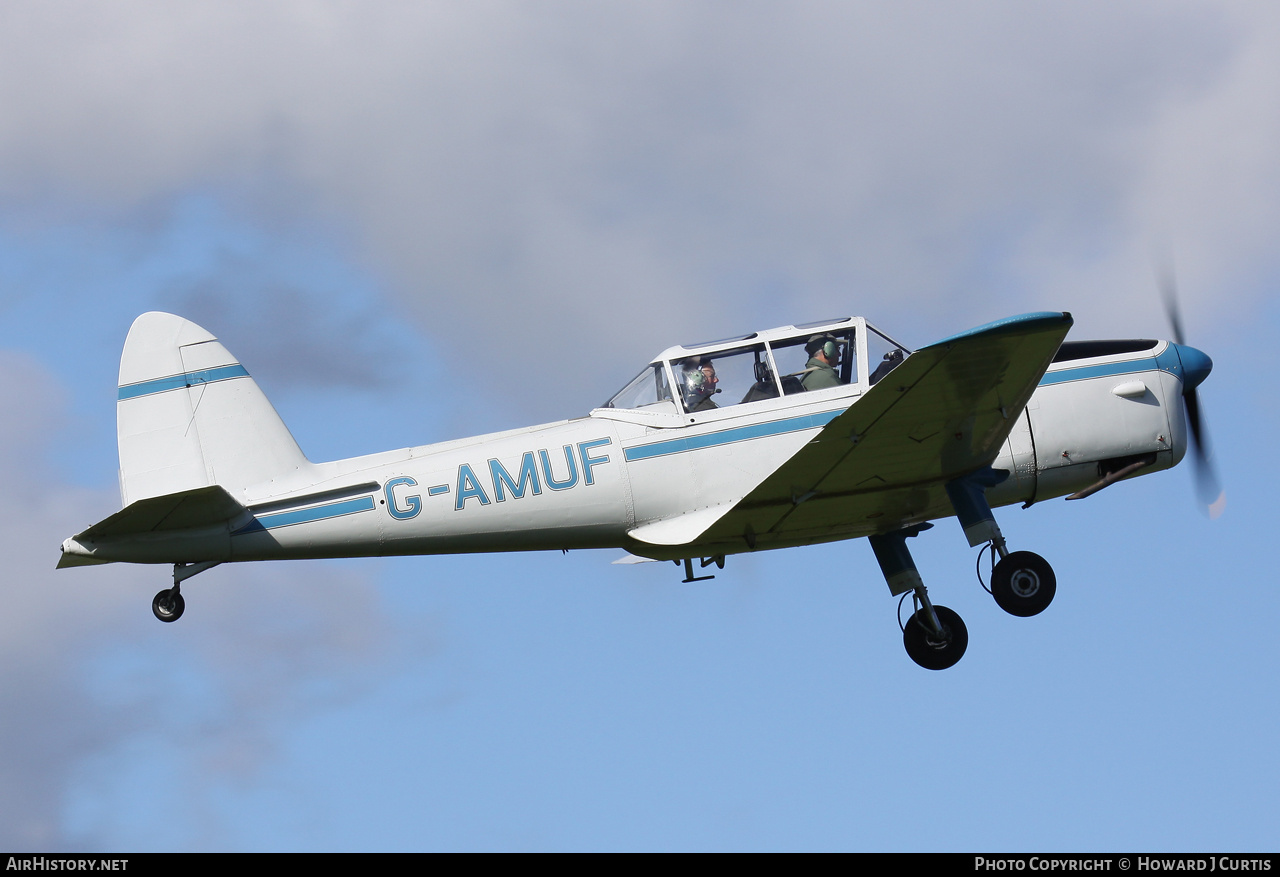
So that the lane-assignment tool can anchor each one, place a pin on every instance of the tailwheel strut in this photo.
(168, 605)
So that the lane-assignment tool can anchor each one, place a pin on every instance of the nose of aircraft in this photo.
(1196, 365)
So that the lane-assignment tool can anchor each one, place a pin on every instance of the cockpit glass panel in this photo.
(719, 380)
(883, 354)
(817, 362)
(647, 388)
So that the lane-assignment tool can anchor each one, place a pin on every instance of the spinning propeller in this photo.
(1195, 367)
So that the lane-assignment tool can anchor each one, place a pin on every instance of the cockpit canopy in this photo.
(781, 362)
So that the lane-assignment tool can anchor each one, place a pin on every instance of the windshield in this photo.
(647, 388)
(883, 354)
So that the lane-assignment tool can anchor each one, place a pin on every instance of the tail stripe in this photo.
(160, 385)
(306, 516)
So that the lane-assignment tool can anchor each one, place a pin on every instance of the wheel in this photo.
(930, 652)
(1023, 584)
(168, 606)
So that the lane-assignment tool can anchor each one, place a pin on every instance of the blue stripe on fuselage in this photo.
(305, 516)
(1167, 361)
(730, 436)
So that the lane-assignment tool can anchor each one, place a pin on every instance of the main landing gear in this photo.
(936, 642)
(168, 605)
(934, 636)
(1022, 582)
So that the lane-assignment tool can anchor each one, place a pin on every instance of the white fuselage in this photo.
(586, 483)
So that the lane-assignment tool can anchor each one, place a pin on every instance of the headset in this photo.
(828, 345)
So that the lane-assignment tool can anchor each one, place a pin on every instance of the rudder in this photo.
(188, 415)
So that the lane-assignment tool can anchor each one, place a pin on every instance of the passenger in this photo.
(824, 356)
(699, 380)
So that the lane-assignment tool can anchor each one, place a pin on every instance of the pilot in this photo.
(699, 379)
(824, 356)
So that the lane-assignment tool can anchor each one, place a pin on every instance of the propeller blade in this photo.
(1192, 401)
(1169, 292)
(1208, 487)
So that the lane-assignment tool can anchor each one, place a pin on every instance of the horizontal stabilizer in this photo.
(202, 507)
(68, 559)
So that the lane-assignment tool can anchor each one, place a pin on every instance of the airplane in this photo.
(792, 436)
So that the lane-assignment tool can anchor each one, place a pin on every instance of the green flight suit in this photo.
(820, 376)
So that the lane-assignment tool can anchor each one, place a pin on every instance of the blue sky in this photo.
(363, 203)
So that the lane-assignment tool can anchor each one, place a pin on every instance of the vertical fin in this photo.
(189, 415)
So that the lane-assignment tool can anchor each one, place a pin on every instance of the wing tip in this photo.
(1018, 323)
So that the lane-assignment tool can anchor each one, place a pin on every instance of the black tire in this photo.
(1023, 584)
(929, 652)
(168, 606)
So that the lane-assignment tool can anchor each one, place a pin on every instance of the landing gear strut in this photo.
(1022, 582)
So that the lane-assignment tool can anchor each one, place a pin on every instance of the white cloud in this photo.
(562, 174)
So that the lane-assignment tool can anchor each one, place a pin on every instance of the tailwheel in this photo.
(930, 648)
(168, 605)
(1023, 584)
